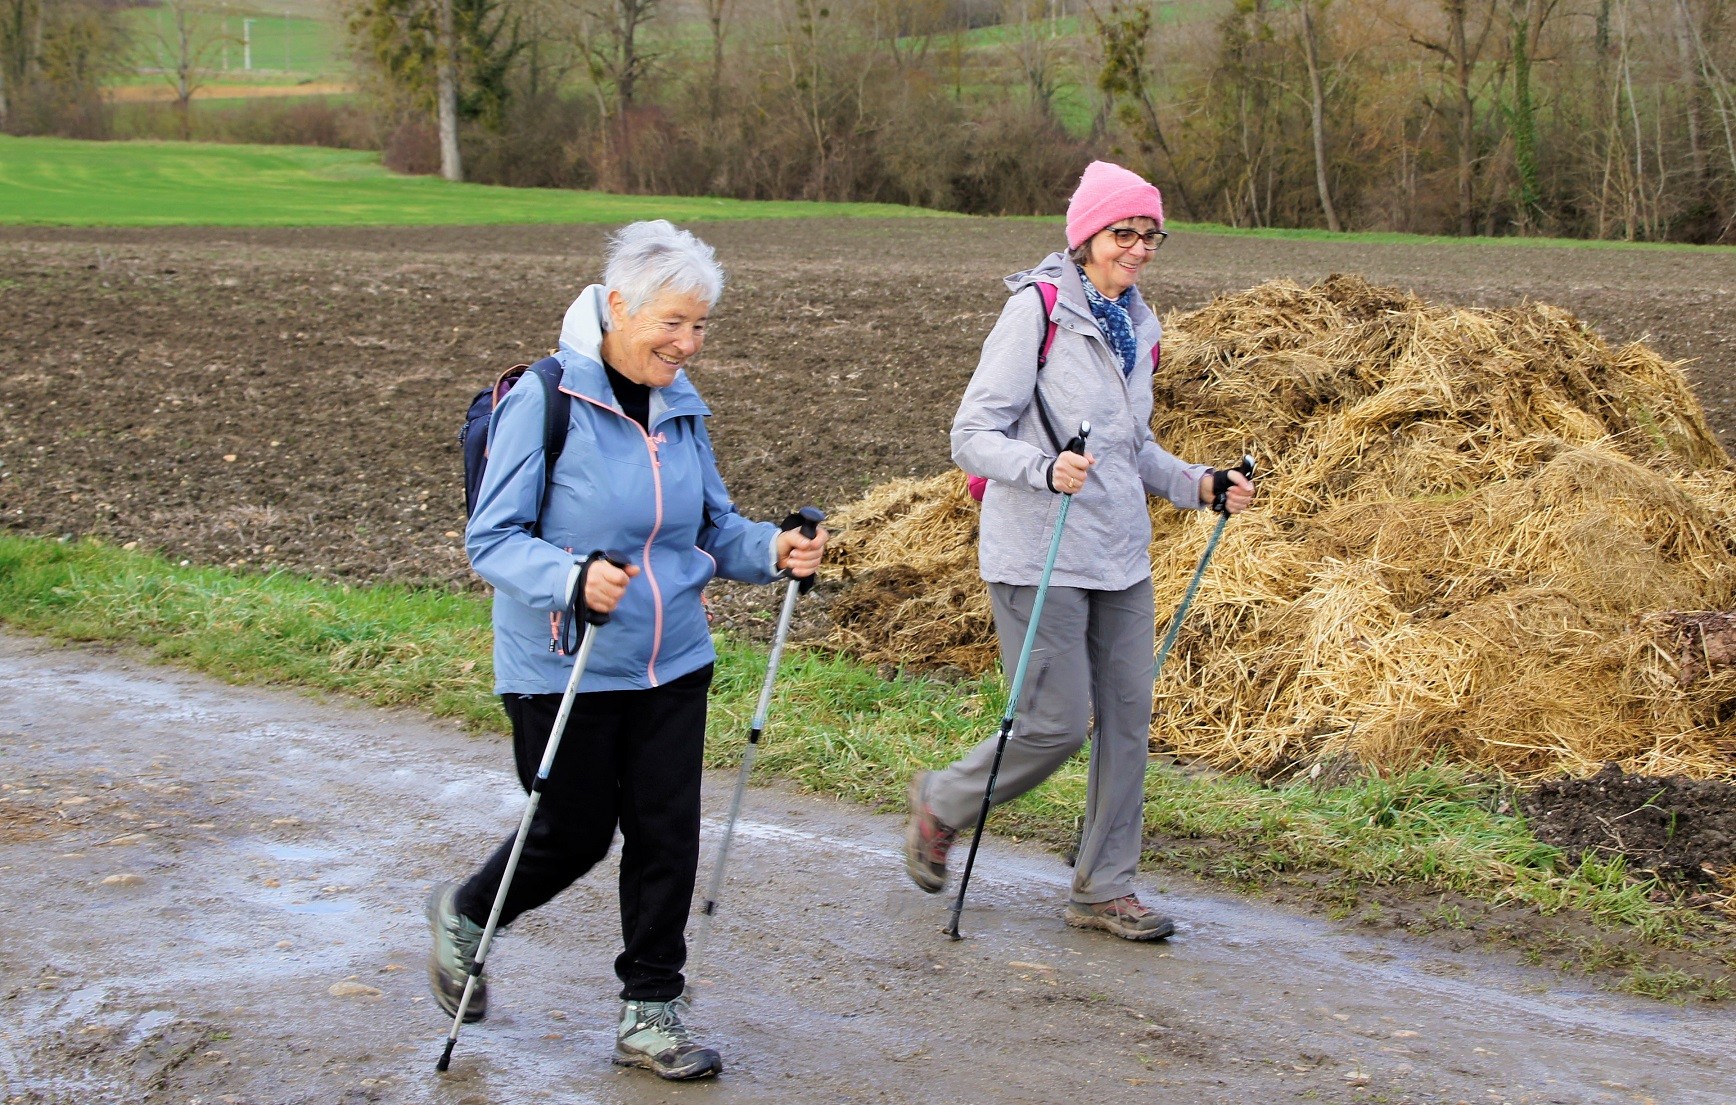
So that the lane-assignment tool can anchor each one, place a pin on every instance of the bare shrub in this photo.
(413, 147)
(1021, 162)
(302, 121)
(542, 143)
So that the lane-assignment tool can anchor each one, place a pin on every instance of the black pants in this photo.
(631, 758)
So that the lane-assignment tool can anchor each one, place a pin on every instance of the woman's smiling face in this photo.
(1112, 268)
(650, 345)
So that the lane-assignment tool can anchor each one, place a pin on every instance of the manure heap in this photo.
(1481, 536)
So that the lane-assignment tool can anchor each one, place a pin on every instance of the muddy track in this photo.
(213, 894)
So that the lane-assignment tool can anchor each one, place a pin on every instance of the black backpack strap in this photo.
(1043, 414)
(557, 406)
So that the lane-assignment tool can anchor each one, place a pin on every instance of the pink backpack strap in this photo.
(1049, 293)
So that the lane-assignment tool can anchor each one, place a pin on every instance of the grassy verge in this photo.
(839, 728)
(63, 182)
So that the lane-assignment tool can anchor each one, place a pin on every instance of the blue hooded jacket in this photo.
(655, 496)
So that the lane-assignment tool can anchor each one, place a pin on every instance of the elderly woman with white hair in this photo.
(636, 476)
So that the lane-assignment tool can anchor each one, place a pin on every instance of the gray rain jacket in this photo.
(999, 434)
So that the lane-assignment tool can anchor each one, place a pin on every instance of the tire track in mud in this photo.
(216, 896)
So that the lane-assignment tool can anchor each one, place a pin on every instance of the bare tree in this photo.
(616, 57)
(20, 46)
(1036, 51)
(1461, 50)
(1126, 79)
(1317, 112)
(185, 51)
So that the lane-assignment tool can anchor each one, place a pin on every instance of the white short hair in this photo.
(648, 258)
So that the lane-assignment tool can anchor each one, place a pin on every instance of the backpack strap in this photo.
(557, 406)
(1048, 293)
(557, 412)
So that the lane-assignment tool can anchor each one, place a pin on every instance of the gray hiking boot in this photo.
(652, 1036)
(1123, 917)
(926, 841)
(456, 938)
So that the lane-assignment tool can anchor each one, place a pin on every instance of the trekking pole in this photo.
(1077, 445)
(586, 641)
(1220, 489)
(808, 519)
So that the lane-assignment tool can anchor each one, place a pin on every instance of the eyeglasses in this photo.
(1125, 236)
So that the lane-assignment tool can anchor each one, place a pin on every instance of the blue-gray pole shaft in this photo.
(1010, 712)
(1187, 597)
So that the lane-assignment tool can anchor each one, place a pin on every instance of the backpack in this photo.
(473, 435)
(977, 485)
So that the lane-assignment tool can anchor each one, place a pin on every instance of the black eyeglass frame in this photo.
(1153, 239)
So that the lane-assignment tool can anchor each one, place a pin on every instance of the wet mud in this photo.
(214, 894)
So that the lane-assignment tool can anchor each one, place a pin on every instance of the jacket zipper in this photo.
(656, 527)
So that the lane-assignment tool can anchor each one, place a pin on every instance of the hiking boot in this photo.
(456, 938)
(652, 1036)
(926, 841)
(1123, 917)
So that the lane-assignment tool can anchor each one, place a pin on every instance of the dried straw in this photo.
(1481, 535)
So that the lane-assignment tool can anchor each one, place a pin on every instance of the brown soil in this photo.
(290, 398)
(1683, 829)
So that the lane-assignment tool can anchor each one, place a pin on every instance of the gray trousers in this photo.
(1093, 648)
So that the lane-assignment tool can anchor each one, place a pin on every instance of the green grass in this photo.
(62, 182)
(838, 728)
(278, 44)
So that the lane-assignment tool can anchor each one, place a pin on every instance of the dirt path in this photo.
(213, 895)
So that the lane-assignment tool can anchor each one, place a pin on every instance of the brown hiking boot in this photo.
(1123, 917)
(926, 841)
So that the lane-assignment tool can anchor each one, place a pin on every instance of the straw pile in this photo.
(1484, 535)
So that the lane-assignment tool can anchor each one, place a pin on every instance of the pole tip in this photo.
(445, 1057)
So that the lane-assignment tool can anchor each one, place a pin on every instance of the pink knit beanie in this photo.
(1106, 193)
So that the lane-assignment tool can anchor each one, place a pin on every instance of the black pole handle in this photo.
(1221, 482)
(1077, 445)
(807, 520)
(619, 560)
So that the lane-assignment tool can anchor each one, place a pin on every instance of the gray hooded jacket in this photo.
(999, 434)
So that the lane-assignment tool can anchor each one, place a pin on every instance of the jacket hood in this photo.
(582, 329)
(581, 350)
(1054, 269)
(1058, 269)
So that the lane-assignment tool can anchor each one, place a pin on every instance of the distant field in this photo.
(235, 44)
(60, 182)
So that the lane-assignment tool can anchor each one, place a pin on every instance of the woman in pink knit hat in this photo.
(1080, 349)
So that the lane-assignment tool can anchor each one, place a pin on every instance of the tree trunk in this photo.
(1465, 131)
(1524, 116)
(1317, 117)
(446, 92)
(1691, 95)
(33, 58)
(714, 14)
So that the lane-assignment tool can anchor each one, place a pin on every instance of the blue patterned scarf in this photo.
(1113, 319)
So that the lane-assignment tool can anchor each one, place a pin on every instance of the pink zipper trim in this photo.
(645, 564)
